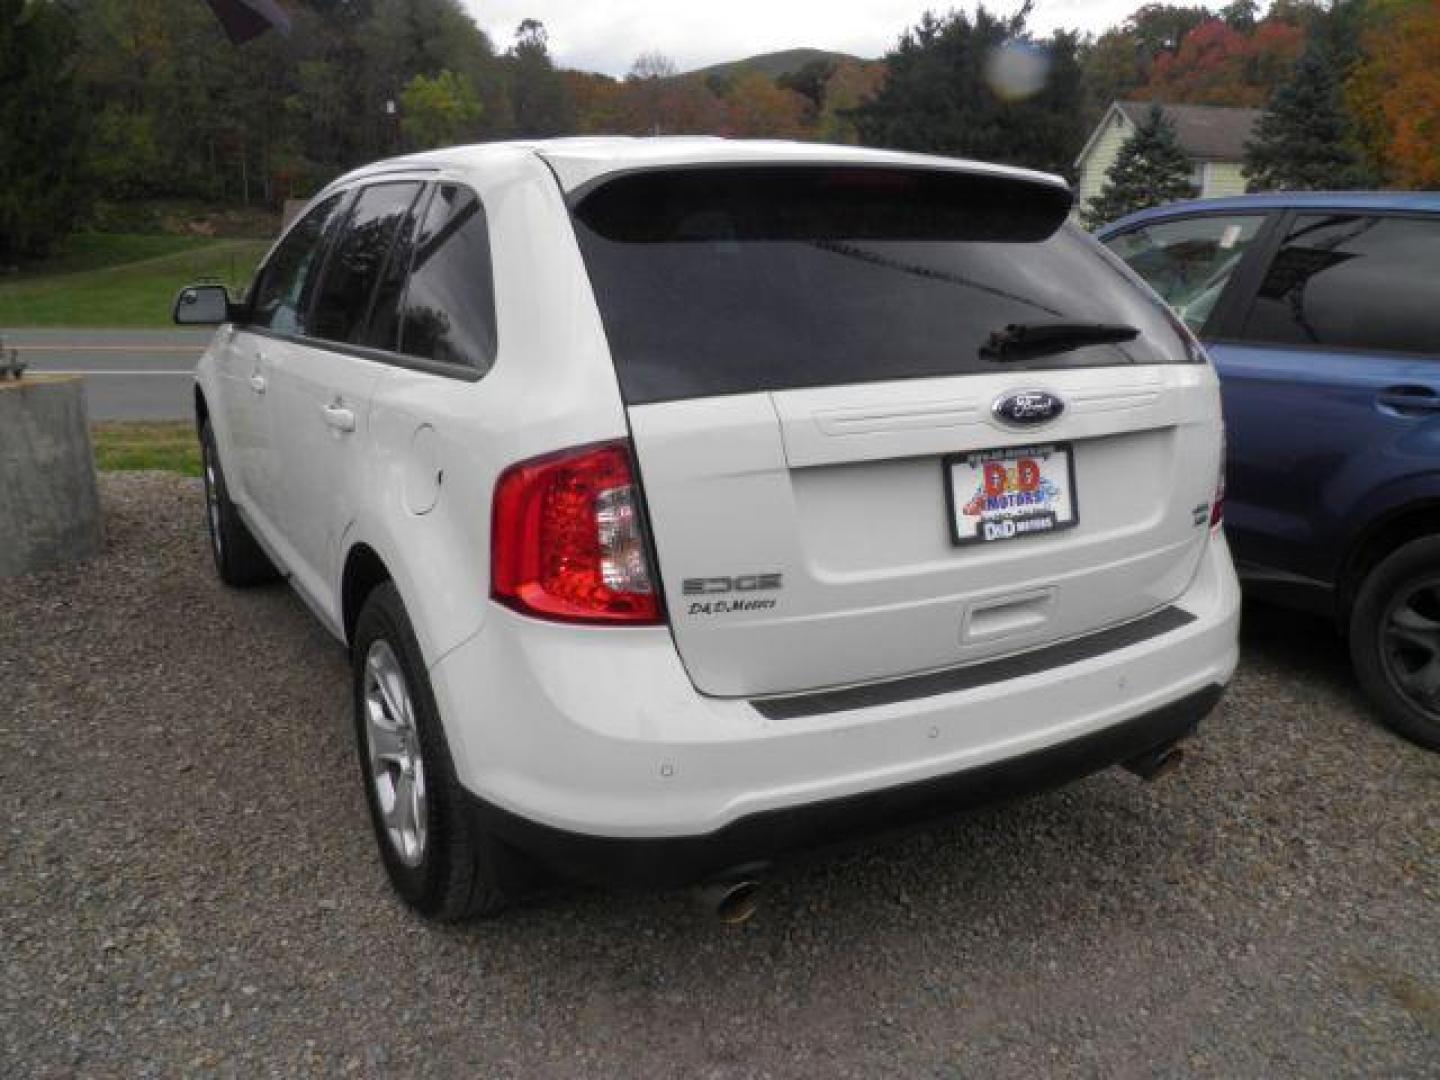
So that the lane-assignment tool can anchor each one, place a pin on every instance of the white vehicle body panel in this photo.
(609, 738)
(840, 490)
(649, 731)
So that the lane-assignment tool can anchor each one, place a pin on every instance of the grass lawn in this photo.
(128, 445)
(115, 279)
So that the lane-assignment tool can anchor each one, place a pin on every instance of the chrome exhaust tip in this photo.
(733, 901)
(1156, 763)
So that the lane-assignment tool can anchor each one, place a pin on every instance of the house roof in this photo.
(1213, 132)
(1206, 132)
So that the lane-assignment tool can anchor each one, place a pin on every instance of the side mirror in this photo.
(203, 305)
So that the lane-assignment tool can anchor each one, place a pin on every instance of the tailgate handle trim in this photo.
(1012, 615)
(951, 680)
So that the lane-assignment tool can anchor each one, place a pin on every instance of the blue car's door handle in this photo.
(1409, 399)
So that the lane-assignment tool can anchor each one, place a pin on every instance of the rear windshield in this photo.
(728, 281)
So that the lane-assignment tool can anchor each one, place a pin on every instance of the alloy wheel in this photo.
(397, 770)
(1410, 650)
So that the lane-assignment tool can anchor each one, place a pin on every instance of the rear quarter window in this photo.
(447, 314)
(723, 281)
(358, 259)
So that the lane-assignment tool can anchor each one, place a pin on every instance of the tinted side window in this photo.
(357, 260)
(1189, 261)
(448, 312)
(383, 331)
(282, 294)
(1353, 281)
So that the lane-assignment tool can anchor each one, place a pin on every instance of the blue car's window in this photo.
(1353, 281)
(1190, 260)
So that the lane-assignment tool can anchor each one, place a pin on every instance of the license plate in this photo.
(996, 495)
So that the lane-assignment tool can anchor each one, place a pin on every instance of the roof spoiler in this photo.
(811, 202)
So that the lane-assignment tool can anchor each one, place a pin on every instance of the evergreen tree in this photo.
(1304, 141)
(42, 128)
(538, 95)
(1150, 169)
(941, 93)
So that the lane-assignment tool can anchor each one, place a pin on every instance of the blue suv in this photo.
(1322, 315)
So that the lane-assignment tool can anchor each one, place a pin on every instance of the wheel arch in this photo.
(202, 408)
(364, 571)
(1377, 540)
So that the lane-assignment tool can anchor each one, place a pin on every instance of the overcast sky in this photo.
(607, 35)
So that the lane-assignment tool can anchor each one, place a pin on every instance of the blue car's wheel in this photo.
(1395, 640)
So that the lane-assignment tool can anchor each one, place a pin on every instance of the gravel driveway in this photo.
(188, 885)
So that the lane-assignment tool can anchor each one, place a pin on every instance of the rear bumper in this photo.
(601, 734)
(763, 838)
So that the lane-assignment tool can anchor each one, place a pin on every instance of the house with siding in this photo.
(1212, 136)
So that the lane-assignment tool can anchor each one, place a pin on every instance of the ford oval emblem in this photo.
(1026, 407)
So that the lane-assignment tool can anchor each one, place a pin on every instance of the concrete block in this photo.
(49, 505)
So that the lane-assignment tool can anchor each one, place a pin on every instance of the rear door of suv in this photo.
(880, 425)
(323, 385)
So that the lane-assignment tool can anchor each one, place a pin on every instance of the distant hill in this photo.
(773, 65)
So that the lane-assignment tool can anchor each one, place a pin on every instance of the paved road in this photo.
(129, 374)
(189, 885)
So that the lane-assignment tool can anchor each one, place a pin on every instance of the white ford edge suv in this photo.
(684, 503)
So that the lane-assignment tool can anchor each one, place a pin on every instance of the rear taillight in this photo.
(1217, 504)
(568, 539)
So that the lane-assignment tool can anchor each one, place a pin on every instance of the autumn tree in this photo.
(1193, 55)
(1394, 94)
(687, 107)
(1160, 28)
(645, 86)
(756, 108)
(1304, 140)
(852, 83)
(1151, 169)
(810, 81)
(652, 64)
(1218, 64)
(596, 100)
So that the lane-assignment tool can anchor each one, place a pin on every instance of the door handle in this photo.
(339, 417)
(1409, 399)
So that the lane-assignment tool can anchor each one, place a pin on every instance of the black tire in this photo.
(1389, 655)
(239, 560)
(461, 871)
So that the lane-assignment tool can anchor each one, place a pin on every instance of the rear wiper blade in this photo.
(1039, 338)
